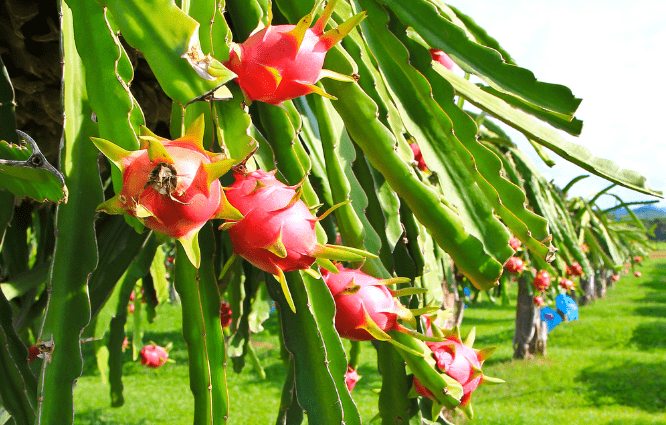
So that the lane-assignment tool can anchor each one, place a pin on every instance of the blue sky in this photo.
(611, 54)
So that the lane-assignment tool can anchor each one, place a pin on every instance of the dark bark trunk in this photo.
(452, 301)
(531, 334)
(600, 283)
(587, 285)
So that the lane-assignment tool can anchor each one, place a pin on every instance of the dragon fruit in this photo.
(351, 378)
(566, 284)
(542, 281)
(461, 362)
(277, 233)
(443, 58)
(418, 156)
(282, 62)
(575, 270)
(422, 390)
(514, 265)
(538, 301)
(225, 314)
(365, 308)
(33, 353)
(153, 356)
(515, 243)
(172, 186)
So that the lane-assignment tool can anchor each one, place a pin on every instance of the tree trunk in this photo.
(610, 282)
(530, 335)
(600, 283)
(539, 341)
(587, 285)
(452, 301)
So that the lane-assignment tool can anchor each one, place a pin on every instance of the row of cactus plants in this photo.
(311, 107)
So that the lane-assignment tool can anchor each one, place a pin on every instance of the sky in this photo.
(609, 53)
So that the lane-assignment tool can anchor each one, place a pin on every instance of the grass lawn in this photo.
(607, 368)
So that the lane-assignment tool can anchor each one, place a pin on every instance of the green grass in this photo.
(607, 368)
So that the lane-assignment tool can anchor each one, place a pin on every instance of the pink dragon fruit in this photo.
(538, 301)
(351, 378)
(153, 356)
(462, 363)
(365, 308)
(443, 58)
(542, 281)
(422, 390)
(514, 265)
(566, 284)
(418, 156)
(515, 243)
(285, 61)
(171, 186)
(575, 270)
(225, 314)
(277, 233)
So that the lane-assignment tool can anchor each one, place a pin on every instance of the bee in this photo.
(164, 179)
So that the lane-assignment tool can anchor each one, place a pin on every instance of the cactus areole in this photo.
(282, 62)
(172, 186)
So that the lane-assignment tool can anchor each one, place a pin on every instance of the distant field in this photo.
(609, 368)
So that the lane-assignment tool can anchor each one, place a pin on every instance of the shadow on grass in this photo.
(655, 284)
(624, 422)
(496, 339)
(650, 336)
(638, 385)
(96, 417)
(654, 310)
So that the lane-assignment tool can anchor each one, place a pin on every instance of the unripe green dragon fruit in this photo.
(172, 186)
(277, 232)
(285, 61)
